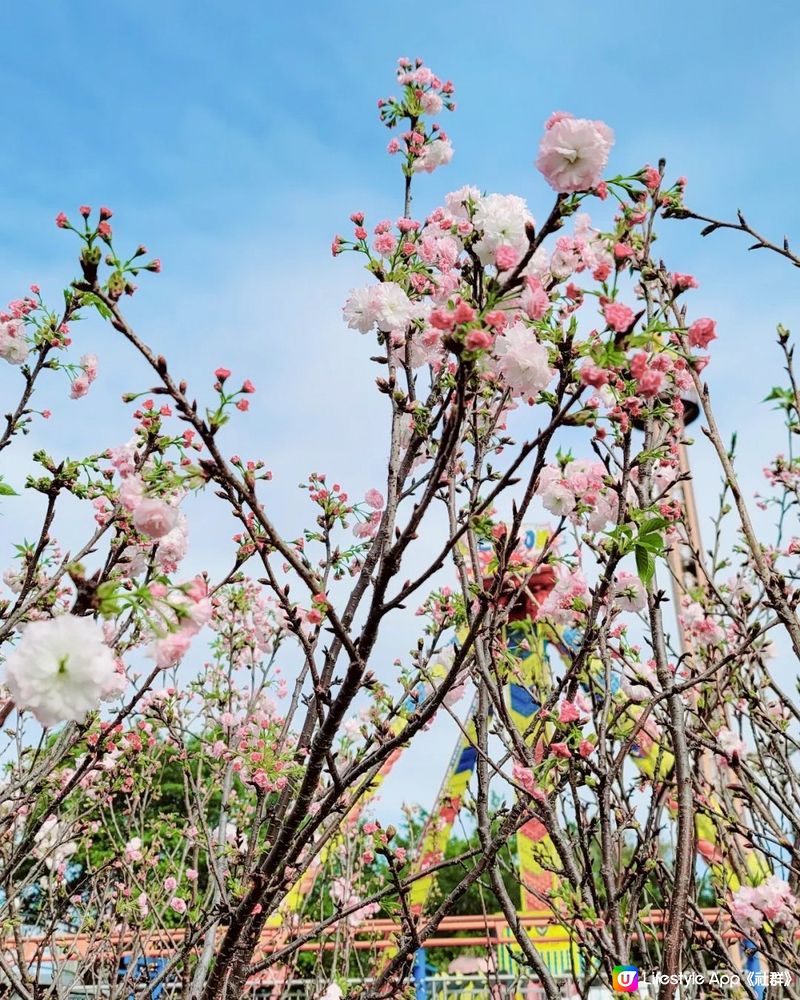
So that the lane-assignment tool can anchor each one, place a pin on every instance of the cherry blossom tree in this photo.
(527, 360)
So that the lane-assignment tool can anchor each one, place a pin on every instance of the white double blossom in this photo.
(501, 221)
(522, 361)
(61, 669)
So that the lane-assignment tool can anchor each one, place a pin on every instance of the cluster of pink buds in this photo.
(243, 404)
(424, 93)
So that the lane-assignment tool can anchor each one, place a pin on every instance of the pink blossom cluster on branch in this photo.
(528, 362)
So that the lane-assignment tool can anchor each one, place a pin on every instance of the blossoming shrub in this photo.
(528, 368)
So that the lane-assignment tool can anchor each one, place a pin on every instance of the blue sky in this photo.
(235, 139)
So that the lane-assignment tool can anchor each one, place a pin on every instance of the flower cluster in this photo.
(580, 490)
(375, 504)
(568, 601)
(182, 612)
(251, 752)
(13, 340)
(345, 896)
(82, 381)
(771, 902)
(424, 93)
(158, 520)
(700, 626)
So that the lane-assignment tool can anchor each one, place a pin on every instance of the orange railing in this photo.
(453, 932)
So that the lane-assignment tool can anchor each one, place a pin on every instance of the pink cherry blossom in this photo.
(650, 383)
(771, 901)
(680, 282)
(703, 629)
(732, 746)
(131, 492)
(559, 499)
(505, 257)
(171, 649)
(368, 528)
(478, 340)
(332, 992)
(574, 152)
(568, 711)
(89, 364)
(13, 346)
(385, 244)
(80, 386)
(524, 776)
(133, 849)
(431, 103)
(535, 300)
(628, 591)
(618, 316)
(702, 332)
(592, 374)
(434, 154)
(155, 518)
(560, 603)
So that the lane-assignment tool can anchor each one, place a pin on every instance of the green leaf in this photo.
(6, 490)
(645, 564)
(654, 524)
(92, 300)
(653, 543)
